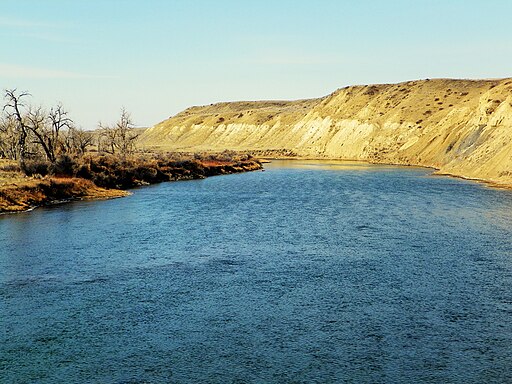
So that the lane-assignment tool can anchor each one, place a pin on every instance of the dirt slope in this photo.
(461, 127)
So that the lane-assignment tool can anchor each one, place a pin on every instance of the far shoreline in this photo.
(436, 171)
(99, 194)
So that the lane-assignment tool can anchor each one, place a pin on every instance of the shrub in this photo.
(63, 166)
(35, 167)
(84, 171)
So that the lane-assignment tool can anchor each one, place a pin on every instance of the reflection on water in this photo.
(330, 165)
(308, 272)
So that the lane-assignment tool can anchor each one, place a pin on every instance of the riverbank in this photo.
(269, 156)
(460, 127)
(105, 177)
(34, 193)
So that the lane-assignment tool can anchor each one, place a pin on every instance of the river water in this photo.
(309, 272)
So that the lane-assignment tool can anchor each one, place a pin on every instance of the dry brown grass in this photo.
(10, 173)
(15, 197)
(102, 177)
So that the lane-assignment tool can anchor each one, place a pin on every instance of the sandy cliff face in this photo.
(462, 127)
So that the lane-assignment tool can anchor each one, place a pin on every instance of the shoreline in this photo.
(52, 203)
(486, 183)
(436, 171)
(458, 127)
(31, 193)
(61, 190)
(52, 191)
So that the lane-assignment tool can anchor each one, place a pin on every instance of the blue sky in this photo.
(156, 58)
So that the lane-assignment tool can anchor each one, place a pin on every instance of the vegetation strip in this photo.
(46, 159)
(107, 176)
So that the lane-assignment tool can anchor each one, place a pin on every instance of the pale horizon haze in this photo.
(156, 58)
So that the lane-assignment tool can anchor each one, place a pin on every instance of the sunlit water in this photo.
(304, 273)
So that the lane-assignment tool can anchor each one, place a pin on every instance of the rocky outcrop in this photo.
(461, 127)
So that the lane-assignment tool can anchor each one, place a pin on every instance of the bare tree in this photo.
(47, 128)
(75, 141)
(8, 138)
(59, 120)
(126, 135)
(119, 138)
(36, 119)
(107, 139)
(13, 108)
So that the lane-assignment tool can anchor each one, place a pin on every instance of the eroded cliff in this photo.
(461, 127)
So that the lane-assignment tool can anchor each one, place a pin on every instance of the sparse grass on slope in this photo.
(462, 127)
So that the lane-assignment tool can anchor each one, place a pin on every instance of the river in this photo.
(309, 272)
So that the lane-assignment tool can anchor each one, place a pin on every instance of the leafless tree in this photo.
(29, 125)
(36, 119)
(59, 120)
(119, 138)
(107, 139)
(75, 141)
(47, 129)
(13, 110)
(8, 138)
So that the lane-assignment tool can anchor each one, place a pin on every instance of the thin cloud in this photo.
(22, 72)
(23, 23)
(37, 30)
(47, 37)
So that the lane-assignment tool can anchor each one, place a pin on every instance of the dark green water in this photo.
(307, 273)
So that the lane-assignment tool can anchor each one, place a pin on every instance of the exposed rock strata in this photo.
(461, 127)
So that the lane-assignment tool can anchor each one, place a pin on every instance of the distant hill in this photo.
(461, 127)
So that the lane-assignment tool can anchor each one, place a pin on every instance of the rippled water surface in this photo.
(305, 273)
